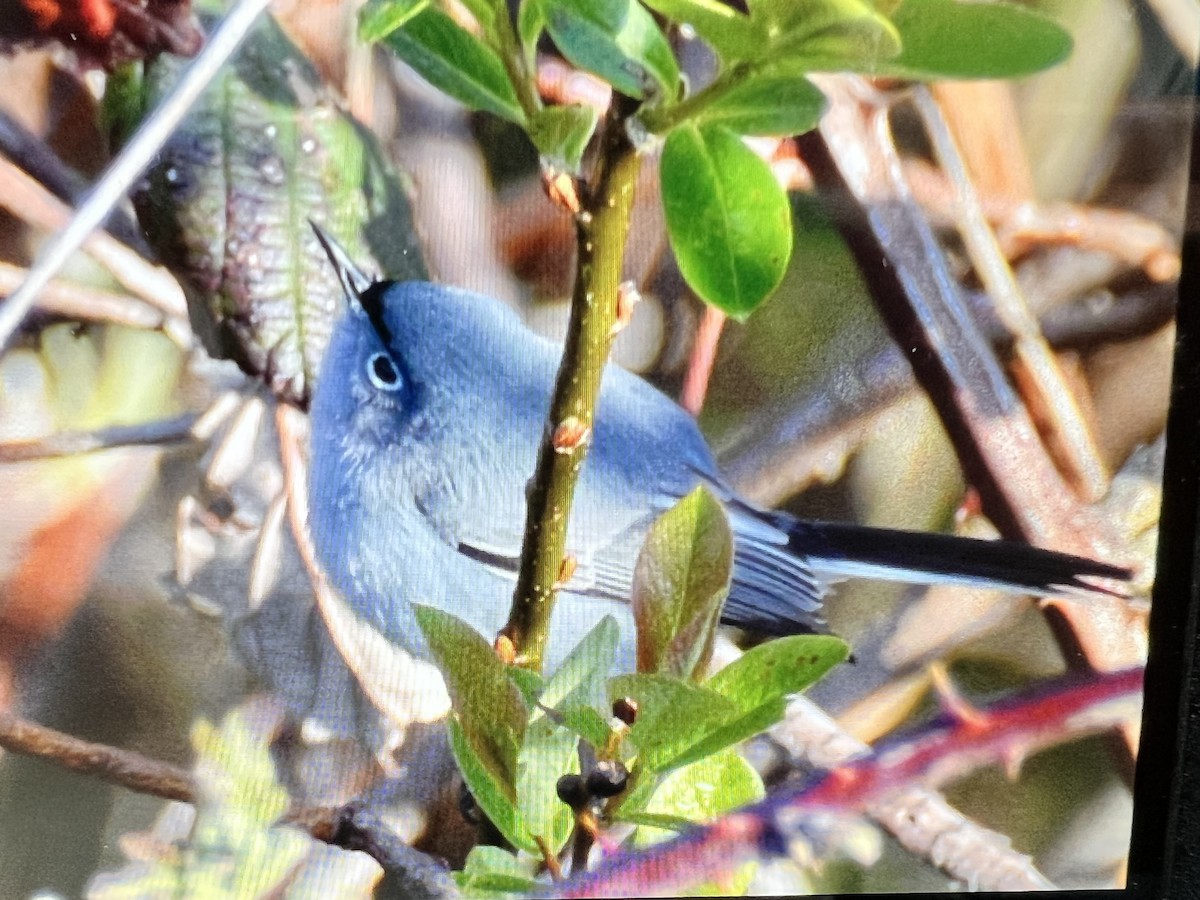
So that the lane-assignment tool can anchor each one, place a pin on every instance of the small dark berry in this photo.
(572, 792)
(608, 778)
(626, 709)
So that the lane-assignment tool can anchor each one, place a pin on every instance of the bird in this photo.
(429, 406)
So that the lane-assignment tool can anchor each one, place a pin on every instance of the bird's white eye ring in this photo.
(381, 372)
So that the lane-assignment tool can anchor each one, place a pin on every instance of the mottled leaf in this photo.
(778, 668)
(226, 206)
(679, 583)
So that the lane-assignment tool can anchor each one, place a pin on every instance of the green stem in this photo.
(602, 229)
(523, 80)
(661, 119)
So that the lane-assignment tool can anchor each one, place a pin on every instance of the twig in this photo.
(1068, 434)
(918, 817)
(116, 766)
(602, 227)
(35, 157)
(704, 355)
(1021, 225)
(127, 167)
(78, 301)
(935, 754)
(69, 443)
(352, 826)
(28, 200)
(857, 169)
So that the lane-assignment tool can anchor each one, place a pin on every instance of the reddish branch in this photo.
(940, 752)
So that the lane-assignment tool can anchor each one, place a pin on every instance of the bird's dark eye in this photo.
(382, 372)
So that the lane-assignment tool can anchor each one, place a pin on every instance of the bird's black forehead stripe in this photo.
(372, 303)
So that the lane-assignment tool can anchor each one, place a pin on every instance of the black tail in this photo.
(845, 551)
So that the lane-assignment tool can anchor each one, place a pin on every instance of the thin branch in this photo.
(1069, 437)
(918, 817)
(69, 443)
(700, 365)
(78, 301)
(858, 171)
(33, 155)
(939, 753)
(124, 768)
(25, 198)
(1022, 225)
(353, 826)
(132, 160)
(602, 228)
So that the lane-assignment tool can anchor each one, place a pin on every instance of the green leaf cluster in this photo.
(514, 733)
(728, 219)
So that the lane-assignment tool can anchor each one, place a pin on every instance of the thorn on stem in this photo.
(628, 297)
(953, 702)
(505, 649)
(570, 434)
(566, 569)
(563, 190)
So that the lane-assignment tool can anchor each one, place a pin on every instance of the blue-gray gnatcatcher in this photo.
(425, 425)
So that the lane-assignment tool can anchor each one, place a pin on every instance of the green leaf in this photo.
(679, 582)
(457, 62)
(493, 870)
(380, 18)
(587, 723)
(700, 793)
(486, 702)
(528, 682)
(227, 201)
(580, 677)
(728, 31)
(531, 20)
(561, 134)
(618, 40)
(766, 104)
(673, 716)
(727, 217)
(549, 751)
(826, 33)
(495, 794)
(778, 668)
(950, 39)
(737, 729)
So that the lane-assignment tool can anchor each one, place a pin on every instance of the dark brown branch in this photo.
(353, 826)
(124, 768)
(858, 172)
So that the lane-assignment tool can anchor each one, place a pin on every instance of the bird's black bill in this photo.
(355, 282)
